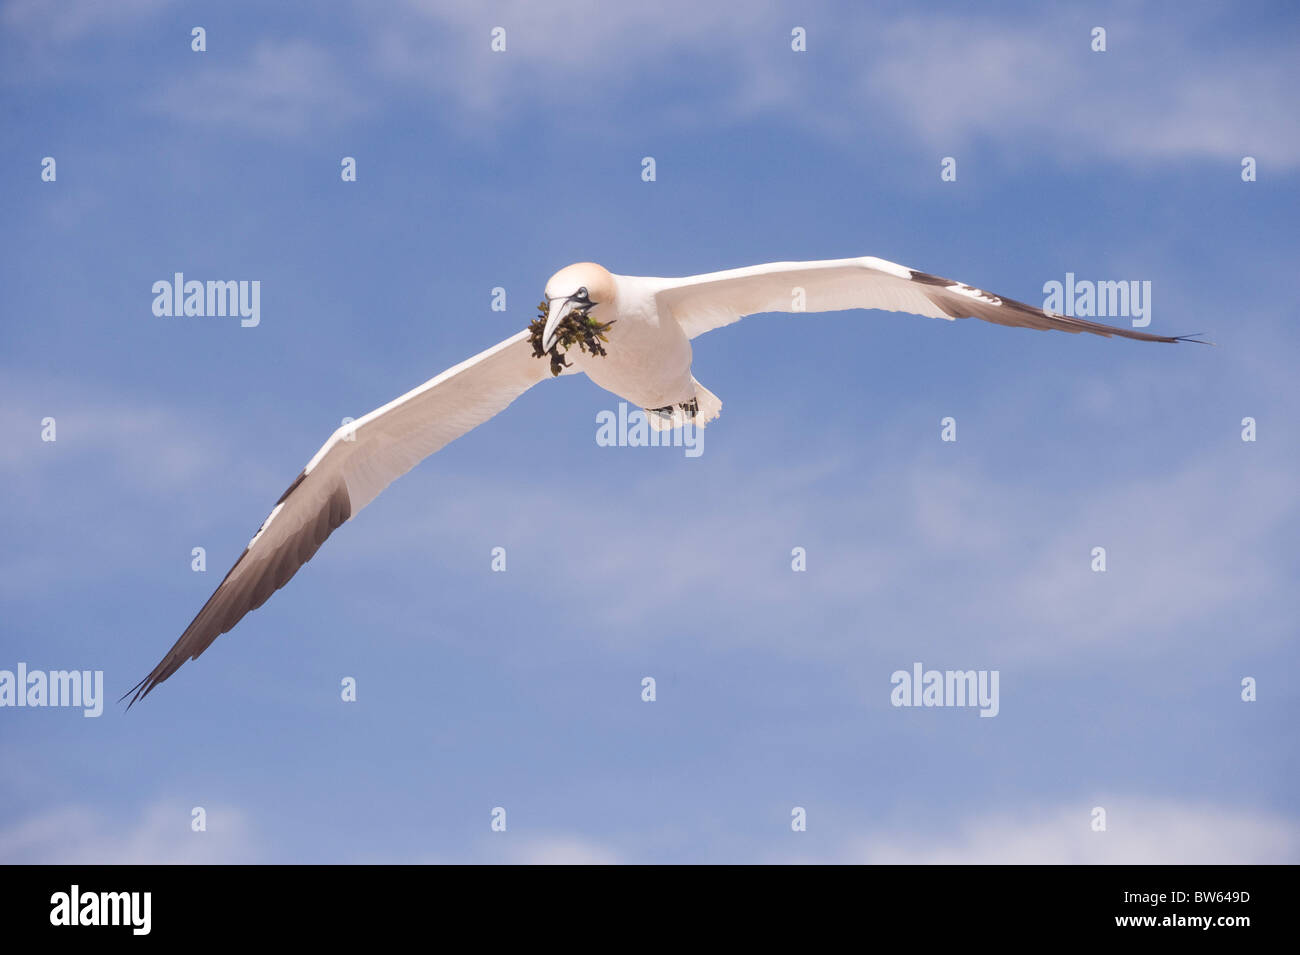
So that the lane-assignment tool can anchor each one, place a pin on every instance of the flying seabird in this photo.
(646, 325)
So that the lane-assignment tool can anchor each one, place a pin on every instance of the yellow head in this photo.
(579, 287)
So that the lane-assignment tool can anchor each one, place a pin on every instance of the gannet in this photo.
(646, 361)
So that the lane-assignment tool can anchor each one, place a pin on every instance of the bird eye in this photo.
(582, 292)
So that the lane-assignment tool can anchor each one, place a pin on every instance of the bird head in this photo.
(576, 288)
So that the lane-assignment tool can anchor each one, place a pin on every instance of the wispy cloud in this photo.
(77, 835)
(1139, 831)
(44, 23)
(956, 81)
(146, 447)
(944, 81)
(131, 453)
(940, 81)
(574, 50)
(284, 88)
(562, 850)
(915, 529)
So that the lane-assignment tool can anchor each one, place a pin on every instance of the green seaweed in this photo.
(576, 328)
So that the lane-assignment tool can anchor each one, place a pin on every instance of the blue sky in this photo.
(523, 689)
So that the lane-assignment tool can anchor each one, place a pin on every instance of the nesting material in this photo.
(576, 328)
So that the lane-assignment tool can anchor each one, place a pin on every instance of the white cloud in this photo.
(147, 448)
(114, 460)
(562, 850)
(941, 81)
(76, 835)
(576, 53)
(1177, 553)
(284, 88)
(953, 81)
(1140, 831)
(53, 22)
(509, 848)
(927, 546)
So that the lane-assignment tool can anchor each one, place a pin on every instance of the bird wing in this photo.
(701, 303)
(358, 461)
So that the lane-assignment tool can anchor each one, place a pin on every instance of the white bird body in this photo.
(649, 356)
(647, 362)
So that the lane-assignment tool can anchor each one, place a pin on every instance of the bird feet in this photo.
(692, 408)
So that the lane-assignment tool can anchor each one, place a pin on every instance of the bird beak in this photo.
(554, 315)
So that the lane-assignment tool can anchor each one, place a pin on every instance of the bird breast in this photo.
(648, 360)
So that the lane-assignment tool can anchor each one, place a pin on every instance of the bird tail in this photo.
(708, 405)
(702, 409)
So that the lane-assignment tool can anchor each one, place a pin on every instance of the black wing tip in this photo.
(1195, 340)
(137, 692)
(144, 687)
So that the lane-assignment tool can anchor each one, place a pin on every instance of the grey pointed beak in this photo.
(555, 314)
